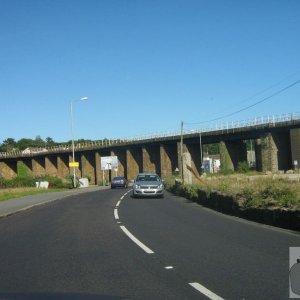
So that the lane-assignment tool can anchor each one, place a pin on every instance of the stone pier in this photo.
(168, 159)
(151, 159)
(51, 165)
(88, 166)
(273, 153)
(63, 165)
(8, 169)
(134, 158)
(38, 165)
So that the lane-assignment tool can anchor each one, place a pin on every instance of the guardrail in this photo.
(258, 122)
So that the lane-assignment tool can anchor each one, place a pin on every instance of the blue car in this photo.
(119, 182)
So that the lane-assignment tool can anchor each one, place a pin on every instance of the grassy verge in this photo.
(247, 192)
(10, 193)
(260, 199)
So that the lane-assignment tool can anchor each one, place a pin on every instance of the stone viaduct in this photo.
(276, 144)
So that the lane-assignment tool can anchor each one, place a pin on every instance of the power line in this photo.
(266, 89)
(250, 106)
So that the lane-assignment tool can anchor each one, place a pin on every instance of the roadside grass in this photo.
(24, 184)
(248, 191)
(10, 193)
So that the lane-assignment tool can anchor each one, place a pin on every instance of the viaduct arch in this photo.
(277, 146)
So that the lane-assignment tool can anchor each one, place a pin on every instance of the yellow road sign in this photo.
(74, 164)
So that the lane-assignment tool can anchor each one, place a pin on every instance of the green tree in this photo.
(25, 143)
(8, 145)
(211, 149)
(49, 142)
(39, 142)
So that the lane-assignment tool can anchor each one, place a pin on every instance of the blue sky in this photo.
(145, 65)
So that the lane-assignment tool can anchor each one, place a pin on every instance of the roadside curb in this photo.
(277, 217)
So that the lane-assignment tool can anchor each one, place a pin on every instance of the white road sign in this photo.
(109, 162)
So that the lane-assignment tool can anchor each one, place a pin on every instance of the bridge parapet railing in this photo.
(258, 122)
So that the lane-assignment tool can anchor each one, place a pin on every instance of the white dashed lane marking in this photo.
(136, 241)
(116, 214)
(203, 290)
(200, 288)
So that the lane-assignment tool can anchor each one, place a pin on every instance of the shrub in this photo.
(283, 196)
(22, 170)
(246, 197)
(243, 167)
(54, 182)
(190, 192)
(29, 181)
(225, 171)
(20, 181)
(2, 182)
(223, 186)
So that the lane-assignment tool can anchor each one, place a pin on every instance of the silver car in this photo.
(148, 185)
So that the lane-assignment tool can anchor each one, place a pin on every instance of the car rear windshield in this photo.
(147, 178)
(118, 178)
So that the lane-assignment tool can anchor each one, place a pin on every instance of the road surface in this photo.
(108, 245)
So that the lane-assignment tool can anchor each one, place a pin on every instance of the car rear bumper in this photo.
(116, 185)
(148, 192)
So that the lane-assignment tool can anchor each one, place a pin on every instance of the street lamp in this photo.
(72, 133)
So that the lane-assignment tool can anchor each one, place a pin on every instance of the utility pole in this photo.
(201, 154)
(181, 153)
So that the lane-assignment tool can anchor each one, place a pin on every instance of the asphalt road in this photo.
(104, 245)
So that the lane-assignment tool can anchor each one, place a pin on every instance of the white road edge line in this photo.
(116, 214)
(202, 289)
(135, 240)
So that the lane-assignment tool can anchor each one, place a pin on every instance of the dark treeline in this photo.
(11, 144)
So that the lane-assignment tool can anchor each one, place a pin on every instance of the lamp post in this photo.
(72, 134)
